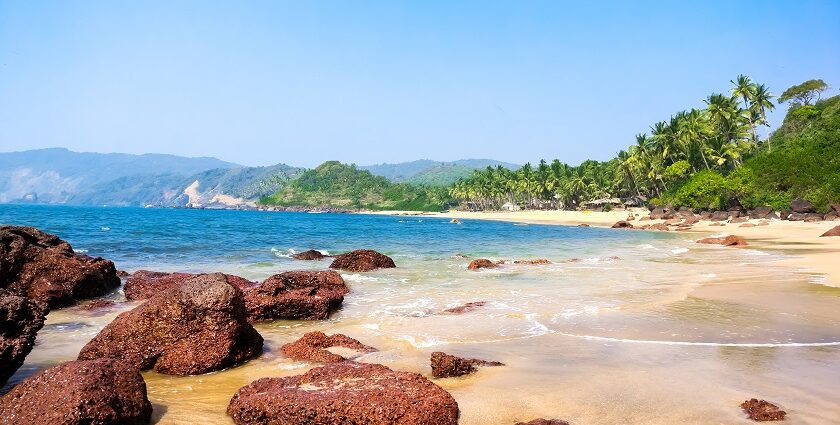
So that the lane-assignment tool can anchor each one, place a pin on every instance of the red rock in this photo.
(196, 327)
(673, 221)
(123, 273)
(747, 225)
(582, 225)
(313, 347)
(622, 225)
(362, 260)
(535, 262)
(683, 229)
(301, 295)
(102, 391)
(645, 218)
(544, 422)
(20, 320)
(446, 366)
(344, 393)
(763, 223)
(97, 305)
(762, 410)
(834, 231)
(691, 220)
(659, 226)
(309, 255)
(40, 266)
(481, 263)
(144, 284)
(725, 241)
(470, 306)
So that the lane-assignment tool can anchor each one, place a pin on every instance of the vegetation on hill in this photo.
(336, 185)
(434, 173)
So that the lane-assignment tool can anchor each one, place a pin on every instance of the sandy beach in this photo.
(808, 252)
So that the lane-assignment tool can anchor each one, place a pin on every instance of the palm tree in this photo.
(763, 102)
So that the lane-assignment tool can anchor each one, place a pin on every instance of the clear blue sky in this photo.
(366, 82)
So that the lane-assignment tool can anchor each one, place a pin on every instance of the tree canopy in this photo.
(804, 94)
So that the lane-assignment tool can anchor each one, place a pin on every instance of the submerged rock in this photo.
(41, 266)
(535, 262)
(313, 347)
(730, 240)
(20, 320)
(622, 225)
(835, 231)
(446, 366)
(544, 422)
(197, 327)
(362, 260)
(762, 410)
(144, 284)
(303, 295)
(102, 391)
(309, 255)
(344, 393)
(481, 263)
(470, 306)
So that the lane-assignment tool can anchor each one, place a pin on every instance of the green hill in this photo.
(428, 172)
(336, 185)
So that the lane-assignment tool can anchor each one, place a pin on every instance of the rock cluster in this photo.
(362, 260)
(197, 327)
(344, 393)
(447, 366)
(313, 347)
(762, 410)
(102, 391)
(42, 267)
(20, 320)
(800, 210)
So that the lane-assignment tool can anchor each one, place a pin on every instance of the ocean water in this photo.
(623, 326)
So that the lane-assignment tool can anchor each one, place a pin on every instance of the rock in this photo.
(730, 240)
(622, 225)
(196, 327)
(102, 391)
(761, 212)
(144, 284)
(797, 216)
(673, 221)
(630, 217)
(535, 262)
(801, 205)
(717, 224)
(362, 260)
(645, 218)
(123, 273)
(657, 213)
(834, 231)
(720, 216)
(747, 225)
(832, 216)
(481, 263)
(309, 255)
(762, 410)
(344, 393)
(40, 266)
(764, 223)
(464, 308)
(313, 347)
(785, 214)
(683, 228)
(739, 220)
(583, 225)
(96, 305)
(659, 226)
(706, 215)
(813, 218)
(692, 220)
(20, 319)
(298, 295)
(446, 366)
(544, 422)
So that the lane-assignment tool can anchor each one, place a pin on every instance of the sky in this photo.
(301, 82)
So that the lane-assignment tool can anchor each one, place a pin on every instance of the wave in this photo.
(703, 344)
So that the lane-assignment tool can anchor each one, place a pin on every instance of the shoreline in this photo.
(810, 254)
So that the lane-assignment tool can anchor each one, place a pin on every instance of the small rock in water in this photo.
(446, 366)
(298, 295)
(622, 225)
(309, 255)
(583, 225)
(362, 260)
(481, 263)
(344, 393)
(313, 346)
(544, 422)
(762, 410)
(535, 262)
(470, 306)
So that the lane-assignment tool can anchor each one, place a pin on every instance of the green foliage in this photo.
(804, 93)
(805, 112)
(678, 170)
(704, 190)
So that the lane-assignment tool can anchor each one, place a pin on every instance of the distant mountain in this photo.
(426, 171)
(60, 176)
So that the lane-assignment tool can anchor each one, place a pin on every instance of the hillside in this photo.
(336, 185)
(426, 171)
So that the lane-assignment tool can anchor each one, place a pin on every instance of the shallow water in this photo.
(668, 332)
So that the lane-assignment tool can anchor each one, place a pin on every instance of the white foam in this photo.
(703, 344)
(647, 246)
(678, 251)
(355, 277)
(105, 229)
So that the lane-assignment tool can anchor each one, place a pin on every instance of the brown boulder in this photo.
(736, 220)
(813, 218)
(344, 393)
(144, 284)
(659, 226)
(38, 265)
(102, 391)
(717, 224)
(302, 295)
(461, 309)
(20, 319)
(720, 215)
(309, 255)
(762, 410)
(313, 347)
(622, 225)
(481, 263)
(730, 240)
(747, 225)
(446, 366)
(800, 205)
(197, 327)
(834, 231)
(761, 212)
(544, 422)
(362, 260)
(582, 225)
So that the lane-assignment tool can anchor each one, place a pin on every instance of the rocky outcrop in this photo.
(481, 263)
(362, 260)
(20, 319)
(725, 241)
(43, 267)
(102, 391)
(736, 220)
(301, 295)
(197, 327)
(144, 284)
(344, 393)
(447, 366)
(313, 347)
(544, 422)
(761, 212)
(762, 410)
(800, 205)
(835, 231)
(309, 255)
(461, 309)
(622, 225)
